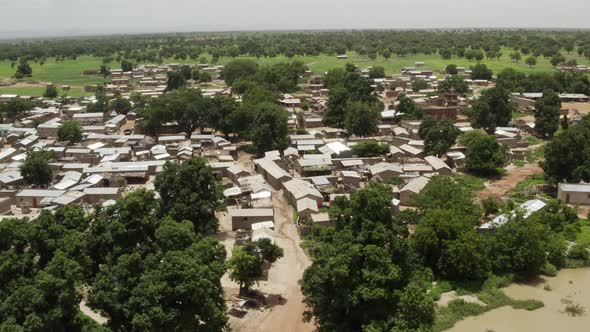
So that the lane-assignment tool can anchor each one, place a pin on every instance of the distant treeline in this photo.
(156, 48)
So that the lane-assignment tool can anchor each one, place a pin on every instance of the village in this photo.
(280, 195)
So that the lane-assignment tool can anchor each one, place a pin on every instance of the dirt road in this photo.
(283, 295)
(499, 188)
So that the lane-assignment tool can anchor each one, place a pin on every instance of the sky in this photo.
(40, 18)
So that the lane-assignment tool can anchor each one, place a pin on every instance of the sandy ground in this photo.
(499, 188)
(447, 297)
(285, 307)
(92, 314)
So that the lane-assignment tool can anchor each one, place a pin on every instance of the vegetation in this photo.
(70, 131)
(493, 109)
(370, 148)
(36, 170)
(566, 156)
(484, 154)
(438, 135)
(547, 114)
(189, 192)
(248, 262)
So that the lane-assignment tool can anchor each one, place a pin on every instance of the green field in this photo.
(71, 71)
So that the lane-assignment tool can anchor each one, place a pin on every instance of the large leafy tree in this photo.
(520, 246)
(151, 273)
(221, 112)
(438, 135)
(176, 80)
(189, 192)
(484, 154)
(188, 108)
(15, 108)
(238, 69)
(567, 156)
(70, 131)
(547, 114)
(406, 106)
(362, 118)
(270, 129)
(36, 170)
(453, 83)
(361, 270)
(492, 109)
(42, 268)
(248, 262)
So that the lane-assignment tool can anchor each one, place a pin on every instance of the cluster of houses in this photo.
(318, 166)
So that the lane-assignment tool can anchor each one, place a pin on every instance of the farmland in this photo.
(71, 71)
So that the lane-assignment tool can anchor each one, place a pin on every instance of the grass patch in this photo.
(491, 294)
(471, 182)
(527, 188)
(583, 235)
(519, 163)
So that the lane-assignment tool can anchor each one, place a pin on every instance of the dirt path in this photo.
(500, 188)
(285, 301)
(285, 310)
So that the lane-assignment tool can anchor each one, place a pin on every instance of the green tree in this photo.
(36, 170)
(360, 277)
(370, 148)
(270, 129)
(238, 69)
(15, 108)
(362, 118)
(453, 83)
(481, 72)
(567, 157)
(126, 65)
(377, 72)
(248, 261)
(408, 107)
(483, 154)
(23, 69)
(189, 192)
(205, 77)
(519, 247)
(104, 70)
(531, 61)
(419, 84)
(50, 91)
(121, 105)
(515, 56)
(222, 110)
(70, 131)
(438, 135)
(176, 80)
(451, 69)
(547, 113)
(493, 109)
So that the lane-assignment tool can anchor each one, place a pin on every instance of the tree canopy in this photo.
(35, 169)
(189, 192)
(493, 109)
(70, 131)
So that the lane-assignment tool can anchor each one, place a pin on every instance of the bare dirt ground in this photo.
(91, 313)
(583, 108)
(499, 188)
(447, 297)
(285, 307)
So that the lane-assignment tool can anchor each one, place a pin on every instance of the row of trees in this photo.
(472, 45)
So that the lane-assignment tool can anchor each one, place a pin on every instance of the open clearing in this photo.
(500, 188)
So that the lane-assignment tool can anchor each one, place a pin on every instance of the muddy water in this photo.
(569, 285)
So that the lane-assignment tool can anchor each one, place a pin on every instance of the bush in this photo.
(370, 148)
(549, 270)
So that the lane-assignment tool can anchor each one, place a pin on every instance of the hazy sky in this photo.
(73, 17)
